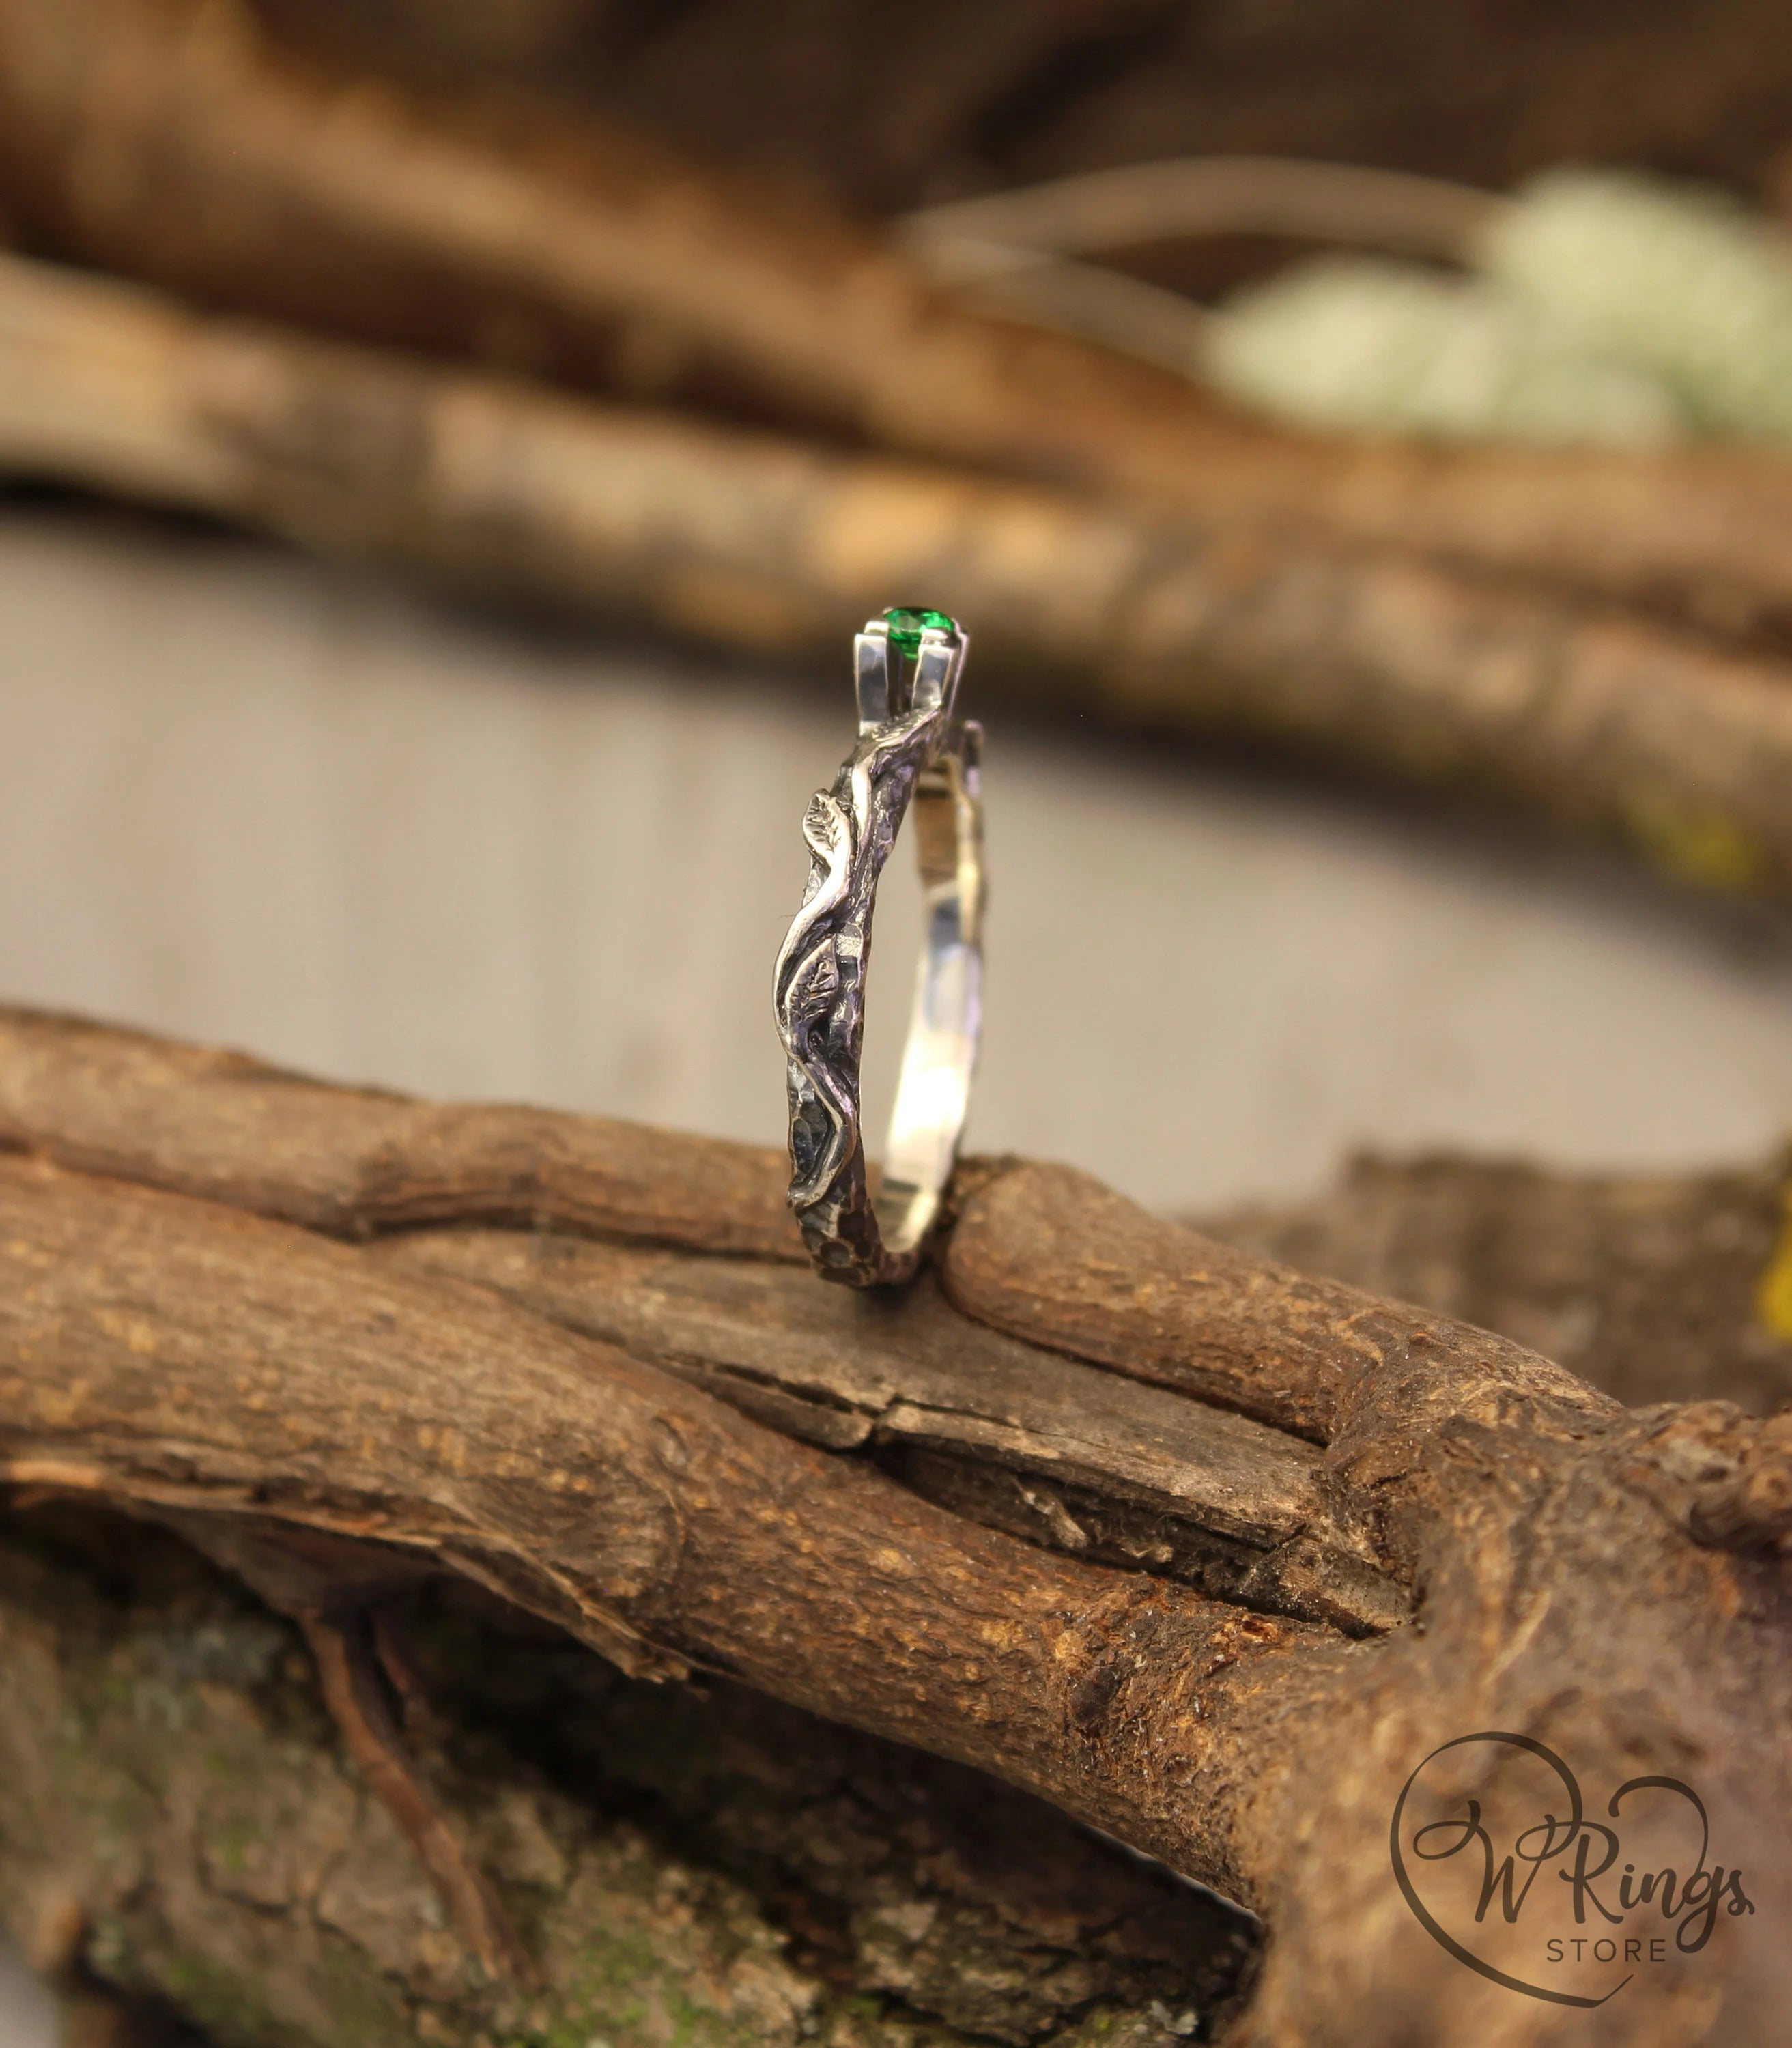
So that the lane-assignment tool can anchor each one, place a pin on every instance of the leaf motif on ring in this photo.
(827, 1126)
(829, 837)
(813, 989)
(825, 828)
(848, 831)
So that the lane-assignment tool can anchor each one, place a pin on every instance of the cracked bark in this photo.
(701, 1866)
(461, 1341)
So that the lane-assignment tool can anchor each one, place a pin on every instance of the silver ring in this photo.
(911, 751)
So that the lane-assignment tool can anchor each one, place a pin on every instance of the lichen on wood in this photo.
(694, 1871)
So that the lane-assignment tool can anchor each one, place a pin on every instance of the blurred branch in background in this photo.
(165, 141)
(1447, 615)
(892, 104)
(1594, 307)
(1596, 634)
(1017, 252)
(1300, 638)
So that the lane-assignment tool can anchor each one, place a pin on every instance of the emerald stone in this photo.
(908, 622)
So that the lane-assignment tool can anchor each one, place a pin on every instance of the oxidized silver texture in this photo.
(911, 751)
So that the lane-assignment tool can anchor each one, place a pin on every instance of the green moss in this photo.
(622, 1987)
(645, 1841)
(214, 1999)
(1705, 847)
(210, 1997)
(230, 1844)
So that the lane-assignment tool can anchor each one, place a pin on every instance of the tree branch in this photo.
(632, 1510)
(166, 140)
(536, 1412)
(1653, 1286)
(700, 1865)
(1418, 671)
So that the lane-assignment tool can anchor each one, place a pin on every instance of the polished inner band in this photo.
(912, 752)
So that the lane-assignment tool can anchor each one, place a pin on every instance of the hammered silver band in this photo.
(912, 752)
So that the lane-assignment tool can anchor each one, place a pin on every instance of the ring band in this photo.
(911, 750)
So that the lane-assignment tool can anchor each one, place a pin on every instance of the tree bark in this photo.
(1654, 1287)
(1130, 1519)
(702, 1866)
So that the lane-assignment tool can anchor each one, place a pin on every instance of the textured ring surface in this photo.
(912, 751)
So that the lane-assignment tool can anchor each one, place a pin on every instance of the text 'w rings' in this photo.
(912, 751)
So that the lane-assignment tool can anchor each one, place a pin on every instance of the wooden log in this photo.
(172, 1342)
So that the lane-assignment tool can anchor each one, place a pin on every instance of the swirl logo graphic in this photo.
(1504, 1865)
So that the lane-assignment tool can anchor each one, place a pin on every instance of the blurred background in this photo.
(446, 449)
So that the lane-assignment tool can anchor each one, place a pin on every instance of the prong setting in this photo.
(908, 669)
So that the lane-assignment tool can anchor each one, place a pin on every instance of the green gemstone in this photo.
(908, 622)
